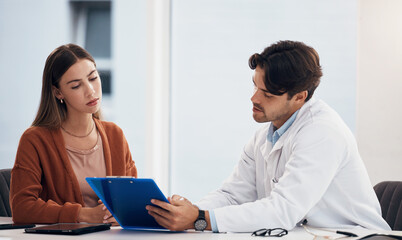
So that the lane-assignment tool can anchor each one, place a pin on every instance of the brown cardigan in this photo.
(44, 188)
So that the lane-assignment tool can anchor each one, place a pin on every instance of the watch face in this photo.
(200, 224)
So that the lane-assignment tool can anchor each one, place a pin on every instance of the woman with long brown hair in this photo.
(66, 143)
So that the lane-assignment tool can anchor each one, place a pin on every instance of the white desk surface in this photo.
(121, 234)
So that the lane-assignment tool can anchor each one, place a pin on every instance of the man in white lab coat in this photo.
(303, 165)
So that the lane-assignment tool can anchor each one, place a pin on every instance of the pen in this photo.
(304, 222)
(349, 234)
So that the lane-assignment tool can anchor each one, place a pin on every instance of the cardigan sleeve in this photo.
(131, 169)
(26, 187)
(120, 155)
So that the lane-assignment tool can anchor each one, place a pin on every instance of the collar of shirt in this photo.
(275, 134)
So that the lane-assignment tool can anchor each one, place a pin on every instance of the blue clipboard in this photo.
(126, 198)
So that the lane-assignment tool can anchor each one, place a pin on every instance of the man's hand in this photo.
(179, 215)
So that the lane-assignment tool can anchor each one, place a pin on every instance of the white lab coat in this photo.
(320, 177)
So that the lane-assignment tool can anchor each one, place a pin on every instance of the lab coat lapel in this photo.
(279, 144)
(270, 155)
(273, 161)
(266, 149)
(268, 167)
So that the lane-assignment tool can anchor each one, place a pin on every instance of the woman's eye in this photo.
(93, 79)
(75, 87)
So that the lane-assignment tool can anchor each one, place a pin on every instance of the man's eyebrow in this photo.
(260, 88)
(77, 80)
(265, 91)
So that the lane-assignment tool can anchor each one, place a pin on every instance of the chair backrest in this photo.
(5, 175)
(390, 196)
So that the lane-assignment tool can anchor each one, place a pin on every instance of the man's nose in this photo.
(254, 97)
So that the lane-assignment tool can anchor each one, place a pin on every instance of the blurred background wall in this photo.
(379, 84)
(176, 77)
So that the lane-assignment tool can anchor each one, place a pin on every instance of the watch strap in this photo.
(201, 214)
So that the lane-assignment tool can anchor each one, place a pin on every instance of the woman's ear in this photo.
(57, 92)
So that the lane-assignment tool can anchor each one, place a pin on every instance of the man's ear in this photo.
(57, 92)
(301, 96)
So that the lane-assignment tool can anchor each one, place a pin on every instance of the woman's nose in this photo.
(90, 89)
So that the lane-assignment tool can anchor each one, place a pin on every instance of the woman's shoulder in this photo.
(37, 136)
(35, 131)
(110, 127)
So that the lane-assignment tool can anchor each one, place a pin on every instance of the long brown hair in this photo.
(52, 112)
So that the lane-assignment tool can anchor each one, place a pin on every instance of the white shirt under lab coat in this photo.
(320, 177)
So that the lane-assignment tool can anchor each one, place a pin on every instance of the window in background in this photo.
(91, 29)
(211, 117)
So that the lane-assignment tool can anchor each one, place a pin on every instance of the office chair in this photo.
(390, 196)
(5, 175)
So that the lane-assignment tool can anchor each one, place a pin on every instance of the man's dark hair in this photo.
(290, 67)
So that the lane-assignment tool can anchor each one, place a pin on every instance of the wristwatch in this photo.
(200, 223)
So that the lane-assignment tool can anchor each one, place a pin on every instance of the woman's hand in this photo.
(91, 215)
(98, 214)
(108, 218)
